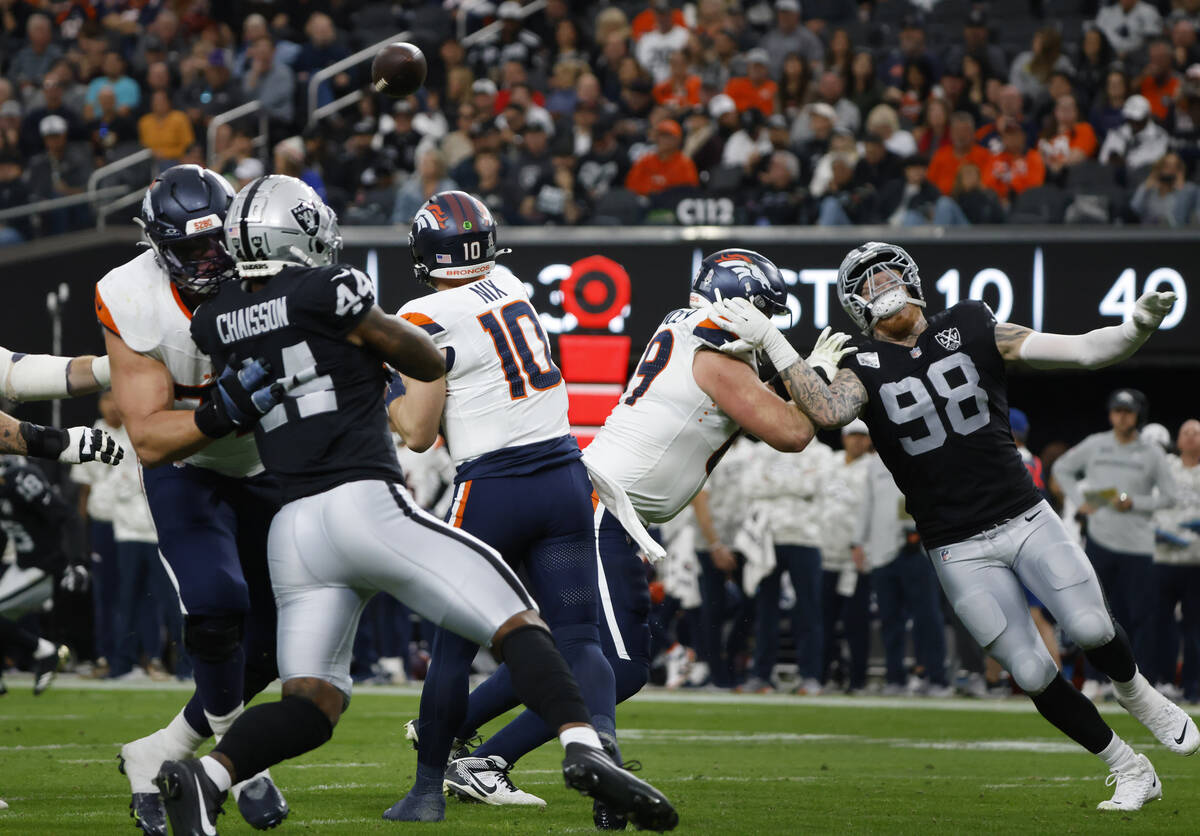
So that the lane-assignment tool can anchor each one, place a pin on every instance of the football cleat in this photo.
(260, 802)
(192, 800)
(1135, 786)
(418, 807)
(458, 749)
(603, 816)
(47, 667)
(139, 762)
(148, 814)
(592, 772)
(485, 780)
(1165, 720)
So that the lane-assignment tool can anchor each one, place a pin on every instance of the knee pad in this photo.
(1032, 669)
(982, 615)
(212, 638)
(1089, 627)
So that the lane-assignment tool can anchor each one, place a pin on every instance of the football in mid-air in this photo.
(399, 70)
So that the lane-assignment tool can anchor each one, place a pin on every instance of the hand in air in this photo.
(1152, 308)
(87, 444)
(738, 316)
(828, 351)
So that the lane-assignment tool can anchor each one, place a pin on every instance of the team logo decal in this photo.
(945, 555)
(949, 339)
(747, 271)
(870, 359)
(431, 217)
(307, 217)
(915, 353)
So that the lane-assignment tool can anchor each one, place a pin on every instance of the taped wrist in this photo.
(269, 733)
(211, 420)
(779, 351)
(542, 679)
(102, 372)
(44, 442)
(36, 377)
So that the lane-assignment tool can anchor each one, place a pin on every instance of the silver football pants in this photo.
(329, 553)
(982, 577)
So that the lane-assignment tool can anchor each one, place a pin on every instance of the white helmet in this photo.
(868, 301)
(279, 218)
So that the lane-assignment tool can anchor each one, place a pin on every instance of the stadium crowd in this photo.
(824, 112)
(792, 572)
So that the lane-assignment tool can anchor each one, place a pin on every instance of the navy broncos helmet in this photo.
(743, 273)
(453, 236)
(182, 216)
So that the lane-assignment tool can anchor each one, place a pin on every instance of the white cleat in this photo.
(1165, 720)
(1136, 786)
(486, 780)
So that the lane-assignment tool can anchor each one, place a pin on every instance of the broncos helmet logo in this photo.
(749, 275)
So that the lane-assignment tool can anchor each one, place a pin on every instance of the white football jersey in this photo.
(139, 303)
(502, 387)
(666, 435)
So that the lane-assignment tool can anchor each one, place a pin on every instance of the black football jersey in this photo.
(32, 514)
(938, 416)
(330, 430)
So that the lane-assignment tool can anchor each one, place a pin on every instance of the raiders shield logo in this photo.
(949, 339)
(306, 216)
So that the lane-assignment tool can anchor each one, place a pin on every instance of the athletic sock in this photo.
(272, 732)
(218, 773)
(45, 648)
(580, 734)
(193, 714)
(1117, 754)
(542, 680)
(1134, 689)
(180, 736)
(1074, 715)
(221, 724)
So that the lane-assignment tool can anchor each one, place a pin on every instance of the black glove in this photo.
(242, 396)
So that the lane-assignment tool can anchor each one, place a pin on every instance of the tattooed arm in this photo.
(11, 440)
(833, 405)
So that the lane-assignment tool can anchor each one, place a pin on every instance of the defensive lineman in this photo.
(210, 500)
(933, 393)
(693, 391)
(349, 528)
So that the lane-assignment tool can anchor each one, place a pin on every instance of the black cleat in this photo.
(148, 814)
(261, 803)
(603, 816)
(192, 800)
(46, 668)
(592, 772)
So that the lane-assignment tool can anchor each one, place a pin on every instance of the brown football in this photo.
(398, 70)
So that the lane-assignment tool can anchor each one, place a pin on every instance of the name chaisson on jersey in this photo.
(252, 320)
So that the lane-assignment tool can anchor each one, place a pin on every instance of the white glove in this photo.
(738, 316)
(1152, 308)
(86, 444)
(828, 351)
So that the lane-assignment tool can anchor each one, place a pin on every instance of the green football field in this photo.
(731, 765)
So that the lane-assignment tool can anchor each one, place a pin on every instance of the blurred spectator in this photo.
(429, 179)
(290, 159)
(746, 146)
(911, 46)
(211, 92)
(59, 171)
(269, 81)
(954, 91)
(560, 92)
(568, 43)
(829, 93)
(681, 89)
(655, 48)
(840, 53)
(496, 193)
(511, 42)
(1031, 70)
(915, 201)
(865, 93)
(129, 95)
(1092, 64)
(821, 118)
(1184, 49)
(110, 128)
(788, 37)
(1138, 143)
(934, 131)
(402, 142)
(1160, 83)
(979, 204)
(664, 167)
(554, 199)
(485, 137)
(976, 42)
(1014, 169)
(777, 201)
(962, 148)
(1107, 110)
(845, 202)
(163, 40)
(1128, 24)
(10, 128)
(915, 89)
(821, 179)
(1166, 198)
(34, 60)
(975, 83)
(321, 50)
(532, 164)
(605, 165)
(165, 131)
(647, 20)
(31, 138)
(878, 165)
(1066, 141)
(883, 122)
(1011, 106)
(755, 89)
(13, 193)
(158, 77)
(483, 96)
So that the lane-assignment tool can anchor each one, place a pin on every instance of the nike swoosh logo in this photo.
(1182, 734)
(1034, 514)
(205, 824)
(478, 782)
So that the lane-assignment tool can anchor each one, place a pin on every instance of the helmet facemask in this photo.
(197, 264)
(876, 281)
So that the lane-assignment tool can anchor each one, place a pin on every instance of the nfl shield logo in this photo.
(442, 258)
(949, 339)
(915, 353)
(945, 555)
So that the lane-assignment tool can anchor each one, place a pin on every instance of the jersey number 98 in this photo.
(919, 406)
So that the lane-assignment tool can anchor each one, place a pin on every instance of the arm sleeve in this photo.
(1093, 350)
(1168, 492)
(1067, 468)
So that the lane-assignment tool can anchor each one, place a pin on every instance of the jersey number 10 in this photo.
(919, 404)
(505, 339)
